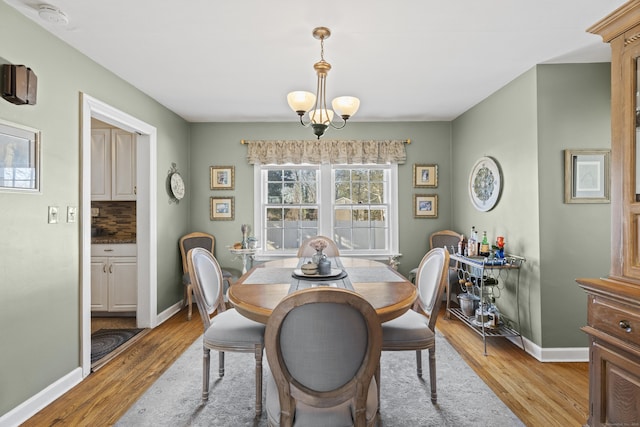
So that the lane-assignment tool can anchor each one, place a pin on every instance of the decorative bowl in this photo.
(309, 268)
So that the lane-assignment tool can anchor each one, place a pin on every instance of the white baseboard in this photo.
(166, 315)
(30, 407)
(558, 354)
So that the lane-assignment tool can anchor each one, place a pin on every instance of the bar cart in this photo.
(485, 278)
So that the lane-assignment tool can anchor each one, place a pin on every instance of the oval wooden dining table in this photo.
(257, 293)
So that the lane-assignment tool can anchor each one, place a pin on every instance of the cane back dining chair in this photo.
(322, 372)
(224, 329)
(197, 240)
(331, 250)
(415, 329)
(448, 239)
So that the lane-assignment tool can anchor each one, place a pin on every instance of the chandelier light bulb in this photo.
(346, 106)
(301, 101)
(321, 116)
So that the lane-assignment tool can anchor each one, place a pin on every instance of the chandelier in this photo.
(315, 106)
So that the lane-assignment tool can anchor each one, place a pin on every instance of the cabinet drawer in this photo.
(122, 249)
(617, 319)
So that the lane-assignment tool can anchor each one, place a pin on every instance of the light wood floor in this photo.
(540, 394)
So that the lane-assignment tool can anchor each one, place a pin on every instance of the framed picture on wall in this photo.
(19, 158)
(222, 177)
(425, 176)
(586, 176)
(221, 209)
(425, 205)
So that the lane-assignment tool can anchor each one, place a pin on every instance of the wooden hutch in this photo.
(613, 307)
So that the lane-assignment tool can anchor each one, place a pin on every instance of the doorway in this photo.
(146, 217)
(114, 287)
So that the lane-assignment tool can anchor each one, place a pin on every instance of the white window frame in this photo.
(325, 217)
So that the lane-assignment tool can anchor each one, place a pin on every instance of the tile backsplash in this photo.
(115, 218)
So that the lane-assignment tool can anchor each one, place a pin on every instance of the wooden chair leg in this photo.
(377, 377)
(189, 301)
(258, 352)
(419, 363)
(432, 374)
(221, 363)
(206, 358)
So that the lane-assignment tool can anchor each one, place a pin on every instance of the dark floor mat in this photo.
(106, 341)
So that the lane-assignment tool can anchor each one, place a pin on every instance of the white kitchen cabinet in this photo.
(113, 165)
(100, 164)
(99, 284)
(114, 278)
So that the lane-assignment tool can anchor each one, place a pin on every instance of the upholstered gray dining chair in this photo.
(189, 241)
(415, 329)
(331, 250)
(321, 371)
(224, 329)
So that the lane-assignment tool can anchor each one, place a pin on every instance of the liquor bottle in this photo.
(461, 245)
(476, 242)
(494, 314)
(485, 249)
(472, 245)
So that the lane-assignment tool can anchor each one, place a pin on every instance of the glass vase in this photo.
(315, 258)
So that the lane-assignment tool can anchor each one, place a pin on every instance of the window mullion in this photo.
(392, 203)
(325, 202)
(260, 196)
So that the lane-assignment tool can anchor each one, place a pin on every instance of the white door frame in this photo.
(146, 217)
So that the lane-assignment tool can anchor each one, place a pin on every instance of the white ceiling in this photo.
(230, 61)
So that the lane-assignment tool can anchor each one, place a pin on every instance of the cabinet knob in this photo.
(624, 324)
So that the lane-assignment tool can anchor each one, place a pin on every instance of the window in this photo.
(355, 205)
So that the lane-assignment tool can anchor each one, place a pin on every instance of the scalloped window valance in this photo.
(326, 151)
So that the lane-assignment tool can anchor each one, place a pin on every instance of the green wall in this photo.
(219, 144)
(525, 126)
(40, 267)
(573, 113)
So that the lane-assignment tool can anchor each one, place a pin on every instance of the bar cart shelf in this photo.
(488, 277)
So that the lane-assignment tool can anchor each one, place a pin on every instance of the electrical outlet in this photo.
(53, 214)
(95, 212)
(71, 213)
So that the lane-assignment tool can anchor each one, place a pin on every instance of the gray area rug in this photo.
(463, 398)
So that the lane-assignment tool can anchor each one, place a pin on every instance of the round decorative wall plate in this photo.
(485, 183)
(177, 185)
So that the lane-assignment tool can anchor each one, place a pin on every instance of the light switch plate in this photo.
(71, 213)
(53, 214)
(95, 212)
